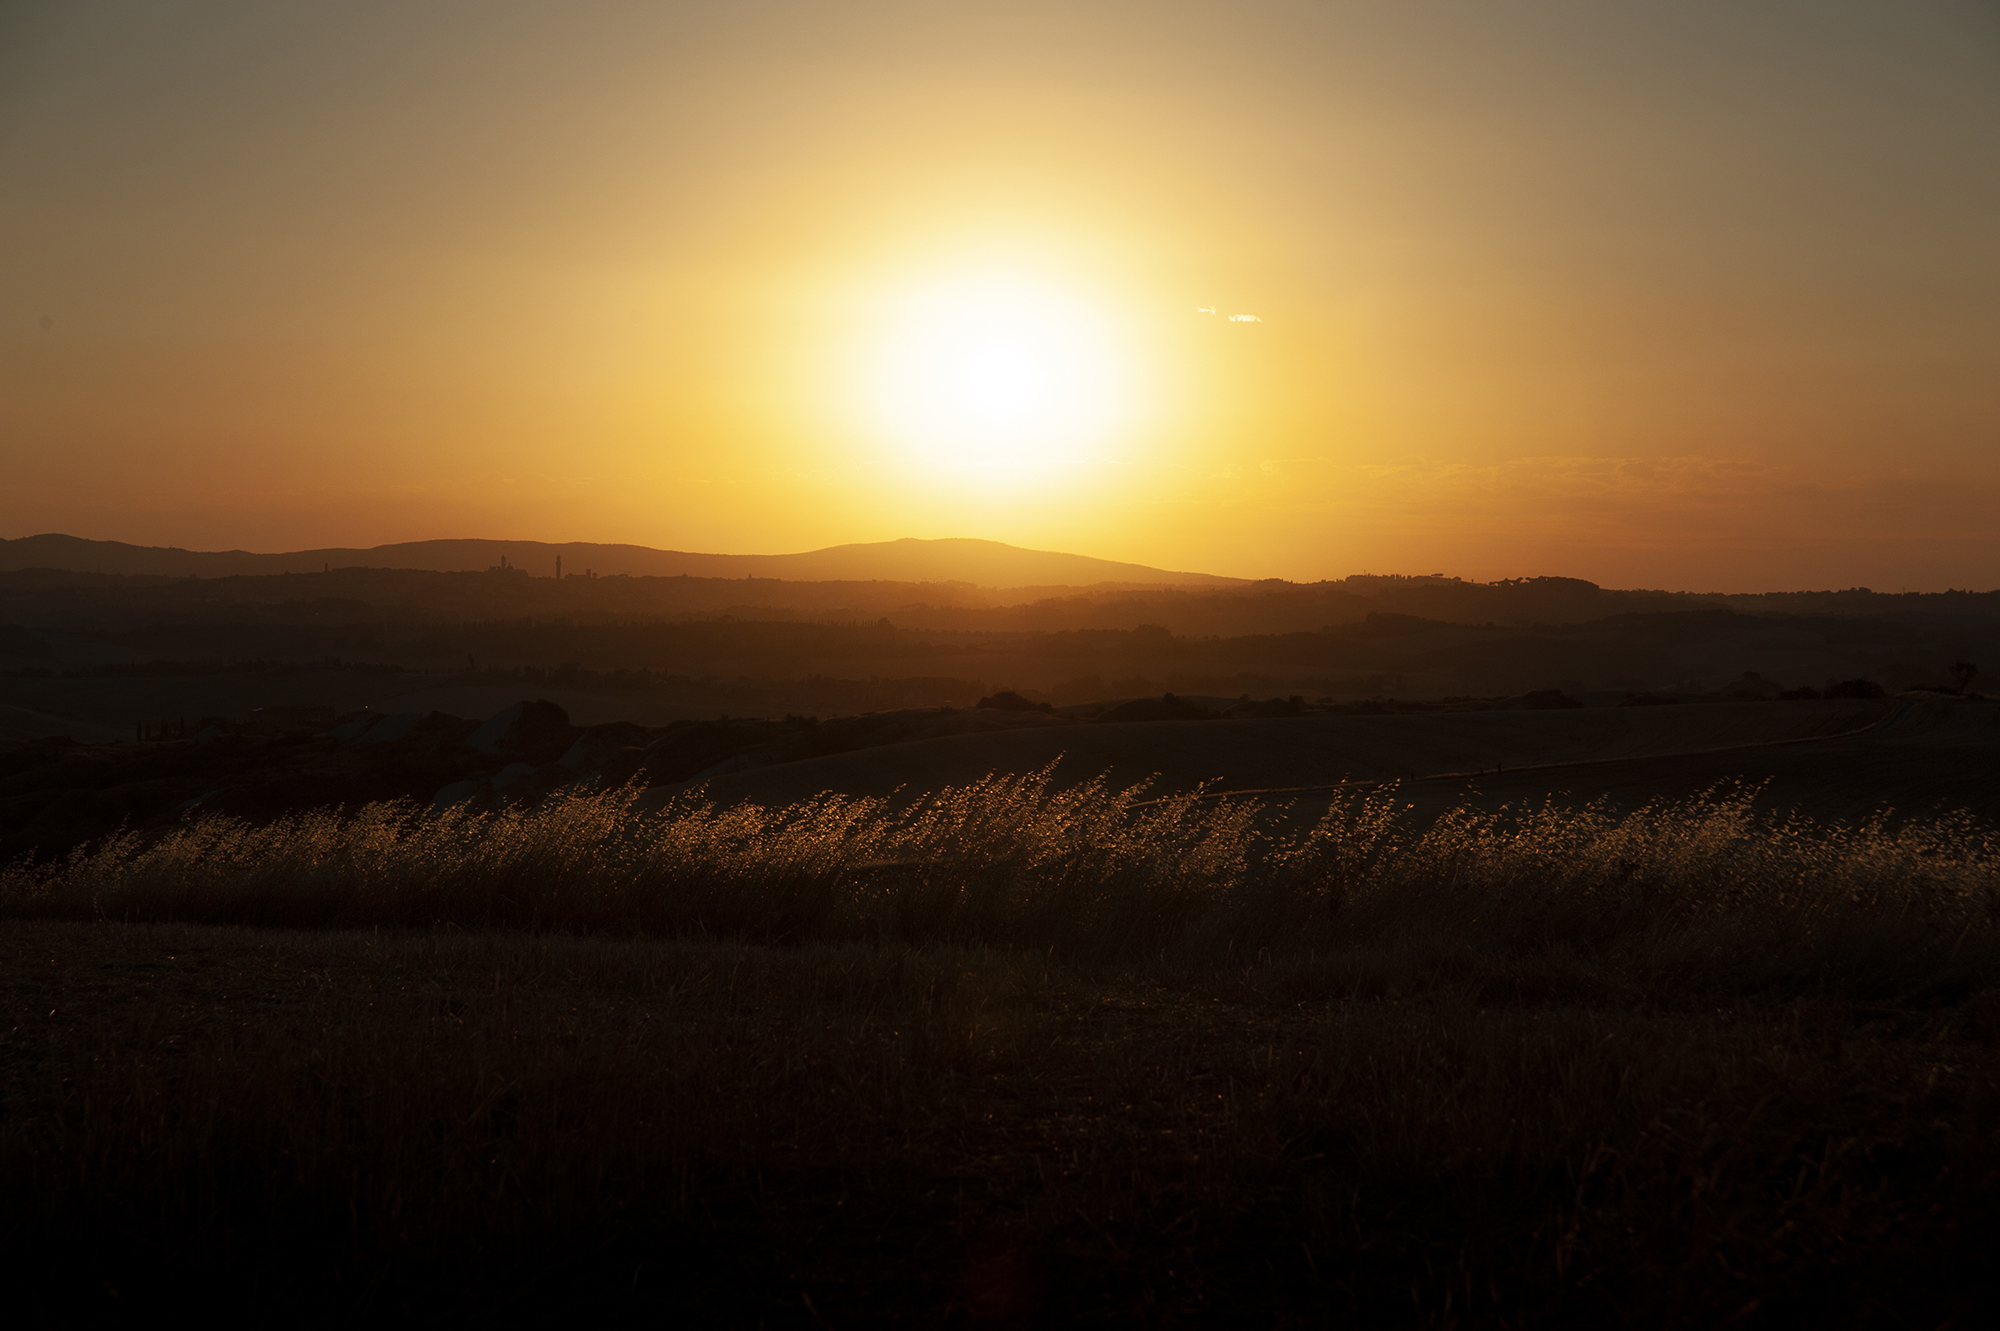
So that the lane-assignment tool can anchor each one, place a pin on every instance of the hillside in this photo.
(1300, 751)
(981, 563)
(1836, 761)
(962, 584)
(767, 647)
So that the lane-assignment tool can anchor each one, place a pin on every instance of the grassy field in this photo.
(1833, 761)
(1013, 1055)
(89, 708)
(1298, 751)
(1920, 760)
(18, 723)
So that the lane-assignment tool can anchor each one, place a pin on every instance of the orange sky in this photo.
(1679, 295)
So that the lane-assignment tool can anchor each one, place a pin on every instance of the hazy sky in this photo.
(1692, 295)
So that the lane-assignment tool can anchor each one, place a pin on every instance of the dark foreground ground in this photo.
(489, 1128)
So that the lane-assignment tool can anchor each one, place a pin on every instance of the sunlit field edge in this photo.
(1014, 1054)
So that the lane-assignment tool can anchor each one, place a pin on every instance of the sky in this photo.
(1685, 295)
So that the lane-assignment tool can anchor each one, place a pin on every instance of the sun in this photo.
(996, 378)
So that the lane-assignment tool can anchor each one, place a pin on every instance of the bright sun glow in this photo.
(997, 379)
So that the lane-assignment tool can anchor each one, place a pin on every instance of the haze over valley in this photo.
(730, 676)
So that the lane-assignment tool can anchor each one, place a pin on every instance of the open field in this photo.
(1029, 1053)
(1919, 760)
(668, 648)
(24, 723)
(1918, 757)
(86, 707)
(114, 703)
(469, 1128)
(1495, 827)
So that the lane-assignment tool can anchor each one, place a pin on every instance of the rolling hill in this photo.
(981, 563)
(1304, 751)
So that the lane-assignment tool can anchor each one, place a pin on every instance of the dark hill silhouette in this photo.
(981, 563)
(968, 585)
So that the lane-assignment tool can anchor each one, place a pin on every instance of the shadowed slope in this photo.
(1299, 751)
(1923, 759)
(26, 723)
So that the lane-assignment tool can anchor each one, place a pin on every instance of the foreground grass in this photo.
(1012, 1058)
(501, 1126)
(1696, 895)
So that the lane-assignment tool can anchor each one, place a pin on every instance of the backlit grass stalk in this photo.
(1090, 873)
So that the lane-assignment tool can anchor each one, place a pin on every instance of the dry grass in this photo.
(1012, 1057)
(1704, 892)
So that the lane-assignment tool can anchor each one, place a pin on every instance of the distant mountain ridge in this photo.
(980, 563)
